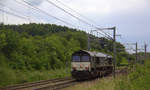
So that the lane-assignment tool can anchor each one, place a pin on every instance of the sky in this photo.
(131, 17)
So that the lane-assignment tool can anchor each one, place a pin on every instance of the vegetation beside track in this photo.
(138, 79)
(12, 77)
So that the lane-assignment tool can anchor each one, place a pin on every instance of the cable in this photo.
(17, 12)
(13, 14)
(28, 6)
(67, 12)
(35, 8)
(47, 13)
(76, 17)
(75, 11)
(12, 10)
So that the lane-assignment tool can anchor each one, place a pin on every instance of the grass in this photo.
(139, 79)
(11, 77)
(100, 84)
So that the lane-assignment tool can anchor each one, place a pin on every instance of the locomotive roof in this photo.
(96, 54)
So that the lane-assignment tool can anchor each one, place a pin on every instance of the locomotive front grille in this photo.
(81, 74)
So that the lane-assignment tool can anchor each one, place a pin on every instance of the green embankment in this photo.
(139, 79)
(136, 80)
(11, 77)
(32, 52)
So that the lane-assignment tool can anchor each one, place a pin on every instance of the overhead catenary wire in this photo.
(48, 14)
(3, 20)
(74, 11)
(67, 12)
(78, 18)
(38, 9)
(10, 13)
(83, 16)
(28, 6)
(14, 11)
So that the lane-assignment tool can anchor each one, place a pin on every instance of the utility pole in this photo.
(89, 42)
(89, 39)
(136, 51)
(145, 49)
(114, 50)
(114, 45)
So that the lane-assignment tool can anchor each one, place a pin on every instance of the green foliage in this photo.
(44, 46)
(11, 77)
(122, 58)
(34, 47)
(24, 51)
(137, 80)
(2, 39)
(7, 76)
(141, 77)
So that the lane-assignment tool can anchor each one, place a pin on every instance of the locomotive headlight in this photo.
(73, 68)
(87, 68)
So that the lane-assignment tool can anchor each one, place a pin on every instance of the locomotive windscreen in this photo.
(85, 58)
(77, 58)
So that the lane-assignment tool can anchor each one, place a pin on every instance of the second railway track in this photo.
(52, 84)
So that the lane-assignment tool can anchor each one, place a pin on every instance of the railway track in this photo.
(53, 84)
(122, 71)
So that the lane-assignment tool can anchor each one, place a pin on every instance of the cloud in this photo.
(89, 8)
(104, 7)
(130, 16)
(3, 1)
(35, 2)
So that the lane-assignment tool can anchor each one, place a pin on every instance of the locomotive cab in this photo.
(81, 64)
(87, 64)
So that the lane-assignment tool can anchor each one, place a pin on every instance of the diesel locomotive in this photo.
(87, 64)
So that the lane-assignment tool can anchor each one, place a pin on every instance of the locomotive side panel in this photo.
(101, 66)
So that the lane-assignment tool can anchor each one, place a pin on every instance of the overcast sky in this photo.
(131, 17)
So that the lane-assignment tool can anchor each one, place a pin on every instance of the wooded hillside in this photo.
(33, 52)
(44, 46)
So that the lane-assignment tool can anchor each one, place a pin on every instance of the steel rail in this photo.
(36, 85)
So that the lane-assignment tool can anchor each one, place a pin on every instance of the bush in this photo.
(10, 76)
(137, 80)
(7, 76)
